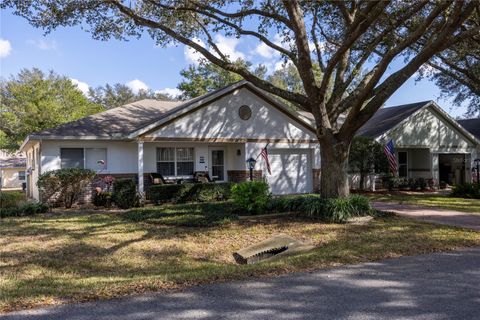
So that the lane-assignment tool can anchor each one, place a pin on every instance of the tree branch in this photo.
(247, 75)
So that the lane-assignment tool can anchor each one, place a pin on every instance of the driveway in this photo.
(434, 286)
(436, 215)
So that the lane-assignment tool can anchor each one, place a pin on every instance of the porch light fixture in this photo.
(251, 165)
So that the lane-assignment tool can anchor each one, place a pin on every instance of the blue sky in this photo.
(139, 63)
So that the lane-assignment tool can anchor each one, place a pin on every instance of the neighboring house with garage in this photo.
(12, 170)
(428, 142)
(219, 131)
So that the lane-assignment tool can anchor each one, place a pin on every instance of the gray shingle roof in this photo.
(116, 122)
(472, 126)
(386, 118)
(121, 121)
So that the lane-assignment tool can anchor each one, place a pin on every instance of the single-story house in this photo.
(429, 143)
(216, 132)
(219, 131)
(12, 170)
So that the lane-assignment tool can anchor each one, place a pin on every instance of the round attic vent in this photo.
(244, 112)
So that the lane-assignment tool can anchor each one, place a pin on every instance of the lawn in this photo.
(60, 258)
(430, 200)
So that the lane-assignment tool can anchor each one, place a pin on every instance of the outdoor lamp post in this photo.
(476, 162)
(251, 165)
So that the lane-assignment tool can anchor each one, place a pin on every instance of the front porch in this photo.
(292, 165)
(446, 167)
(179, 161)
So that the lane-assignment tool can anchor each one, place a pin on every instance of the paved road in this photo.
(435, 286)
(436, 215)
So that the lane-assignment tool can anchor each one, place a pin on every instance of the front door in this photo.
(217, 164)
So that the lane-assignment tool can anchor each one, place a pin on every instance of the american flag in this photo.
(392, 159)
(264, 154)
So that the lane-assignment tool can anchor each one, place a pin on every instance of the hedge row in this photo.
(334, 210)
(11, 199)
(181, 193)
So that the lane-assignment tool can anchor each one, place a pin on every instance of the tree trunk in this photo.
(361, 185)
(334, 166)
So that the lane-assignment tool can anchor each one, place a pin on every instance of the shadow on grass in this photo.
(186, 215)
(88, 257)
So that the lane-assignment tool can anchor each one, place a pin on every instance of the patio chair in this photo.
(202, 177)
(157, 178)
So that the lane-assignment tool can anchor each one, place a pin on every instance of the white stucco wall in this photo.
(220, 119)
(426, 129)
(121, 156)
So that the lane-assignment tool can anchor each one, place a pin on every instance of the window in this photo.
(166, 161)
(89, 158)
(72, 158)
(21, 175)
(403, 164)
(175, 161)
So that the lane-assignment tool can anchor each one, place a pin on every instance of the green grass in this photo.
(185, 215)
(53, 259)
(431, 200)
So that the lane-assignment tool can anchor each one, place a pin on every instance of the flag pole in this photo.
(258, 156)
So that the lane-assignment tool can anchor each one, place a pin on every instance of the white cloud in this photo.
(265, 51)
(192, 55)
(137, 85)
(228, 46)
(82, 86)
(43, 44)
(173, 92)
(5, 48)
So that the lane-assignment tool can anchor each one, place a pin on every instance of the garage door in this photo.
(291, 171)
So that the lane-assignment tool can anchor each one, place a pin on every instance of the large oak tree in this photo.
(345, 38)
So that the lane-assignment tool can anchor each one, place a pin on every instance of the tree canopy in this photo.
(345, 38)
(33, 101)
(206, 76)
(457, 72)
(116, 95)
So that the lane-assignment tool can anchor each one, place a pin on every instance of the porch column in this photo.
(434, 168)
(140, 170)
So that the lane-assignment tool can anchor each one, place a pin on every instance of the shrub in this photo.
(64, 185)
(335, 210)
(11, 199)
(181, 193)
(102, 199)
(252, 196)
(204, 192)
(360, 205)
(25, 209)
(467, 190)
(125, 193)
